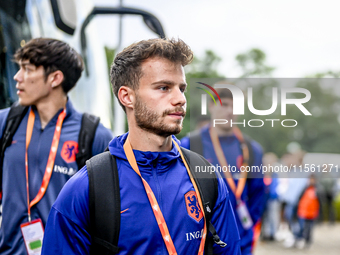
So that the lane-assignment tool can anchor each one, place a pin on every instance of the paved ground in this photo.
(326, 242)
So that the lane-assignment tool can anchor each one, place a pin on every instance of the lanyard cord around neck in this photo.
(50, 161)
(154, 204)
(237, 190)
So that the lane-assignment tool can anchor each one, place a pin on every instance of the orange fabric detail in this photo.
(257, 232)
(124, 210)
(69, 151)
(308, 207)
(193, 207)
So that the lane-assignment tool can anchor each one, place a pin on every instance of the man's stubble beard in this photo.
(150, 121)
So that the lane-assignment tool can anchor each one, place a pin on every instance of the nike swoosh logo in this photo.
(124, 210)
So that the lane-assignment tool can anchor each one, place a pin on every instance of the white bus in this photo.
(67, 20)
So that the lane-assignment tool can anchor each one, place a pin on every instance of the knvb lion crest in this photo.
(193, 207)
(69, 151)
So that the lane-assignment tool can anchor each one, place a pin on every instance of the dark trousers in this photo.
(306, 228)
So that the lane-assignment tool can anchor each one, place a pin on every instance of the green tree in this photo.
(315, 133)
(205, 67)
(255, 74)
(110, 54)
(201, 67)
(320, 132)
(328, 74)
(253, 64)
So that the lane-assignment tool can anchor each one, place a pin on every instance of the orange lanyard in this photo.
(237, 190)
(154, 204)
(51, 158)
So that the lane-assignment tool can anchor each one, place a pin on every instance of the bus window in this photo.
(14, 32)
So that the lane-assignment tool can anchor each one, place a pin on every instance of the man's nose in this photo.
(18, 76)
(178, 97)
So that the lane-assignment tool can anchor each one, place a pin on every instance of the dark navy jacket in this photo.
(253, 194)
(67, 229)
(14, 201)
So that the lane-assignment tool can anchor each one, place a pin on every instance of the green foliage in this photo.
(315, 133)
(337, 207)
(110, 54)
(205, 67)
(252, 63)
(328, 74)
(320, 131)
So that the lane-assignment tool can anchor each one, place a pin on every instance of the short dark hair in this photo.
(126, 67)
(53, 55)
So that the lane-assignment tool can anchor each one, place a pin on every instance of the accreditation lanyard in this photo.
(51, 157)
(237, 190)
(154, 204)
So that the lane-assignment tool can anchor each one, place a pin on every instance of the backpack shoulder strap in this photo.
(15, 115)
(208, 188)
(206, 182)
(89, 124)
(196, 144)
(104, 203)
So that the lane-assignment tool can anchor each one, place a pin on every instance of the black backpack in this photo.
(104, 201)
(89, 124)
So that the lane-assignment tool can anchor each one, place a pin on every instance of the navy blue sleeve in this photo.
(101, 139)
(224, 222)
(66, 230)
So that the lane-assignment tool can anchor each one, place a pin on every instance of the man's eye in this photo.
(164, 88)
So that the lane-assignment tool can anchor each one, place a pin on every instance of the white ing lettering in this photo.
(64, 170)
(194, 235)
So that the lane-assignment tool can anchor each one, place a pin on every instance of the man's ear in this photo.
(126, 96)
(55, 78)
